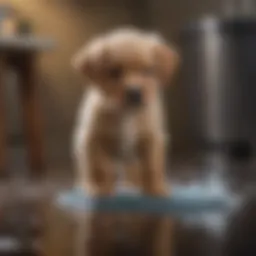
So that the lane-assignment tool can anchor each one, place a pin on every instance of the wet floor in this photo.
(32, 224)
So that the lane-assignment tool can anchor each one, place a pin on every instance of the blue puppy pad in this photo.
(182, 200)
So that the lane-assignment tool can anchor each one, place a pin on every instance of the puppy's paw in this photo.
(86, 188)
(104, 191)
(159, 191)
(97, 191)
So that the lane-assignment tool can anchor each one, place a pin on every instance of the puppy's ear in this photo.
(168, 60)
(89, 61)
(81, 62)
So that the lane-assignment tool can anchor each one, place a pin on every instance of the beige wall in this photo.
(71, 23)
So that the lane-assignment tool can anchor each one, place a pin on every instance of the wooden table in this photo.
(21, 53)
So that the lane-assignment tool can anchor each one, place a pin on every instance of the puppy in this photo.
(121, 117)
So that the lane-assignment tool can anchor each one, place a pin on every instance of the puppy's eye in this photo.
(115, 72)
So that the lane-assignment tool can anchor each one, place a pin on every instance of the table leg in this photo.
(3, 135)
(31, 114)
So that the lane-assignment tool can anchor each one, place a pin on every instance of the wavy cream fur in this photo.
(106, 132)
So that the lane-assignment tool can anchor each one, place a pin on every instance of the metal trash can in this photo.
(219, 82)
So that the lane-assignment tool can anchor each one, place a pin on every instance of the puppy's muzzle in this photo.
(133, 97)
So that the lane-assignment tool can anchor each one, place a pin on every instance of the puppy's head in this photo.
(127, 66)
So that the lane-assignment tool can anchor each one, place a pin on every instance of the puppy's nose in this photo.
(133, 96)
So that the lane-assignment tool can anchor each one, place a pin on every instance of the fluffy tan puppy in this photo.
(121, 117)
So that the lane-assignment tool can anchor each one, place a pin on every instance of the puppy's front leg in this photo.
(133, 174)
(96, 174)
(102, 172)
(153, 165)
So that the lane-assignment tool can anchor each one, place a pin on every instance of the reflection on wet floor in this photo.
(20, 229)
(50, 231)
(31, 224)
(102, 234)
(109, 234)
